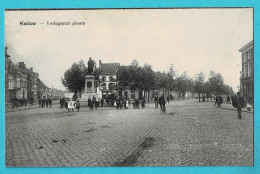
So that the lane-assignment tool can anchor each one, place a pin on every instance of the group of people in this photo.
(69, 104)
(137, 102)
(161, 101)
(121, 103)
(18, 102)
(45, 102)
(237, 102)
(92, 102)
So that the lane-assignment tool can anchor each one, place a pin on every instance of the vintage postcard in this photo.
(129, 87)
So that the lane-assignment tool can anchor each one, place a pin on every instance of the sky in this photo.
(193, 40)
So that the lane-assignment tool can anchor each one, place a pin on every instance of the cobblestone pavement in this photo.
(192, 133)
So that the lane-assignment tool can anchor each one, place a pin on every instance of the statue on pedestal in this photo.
(91, 65)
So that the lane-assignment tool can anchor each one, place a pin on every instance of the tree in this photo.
(74, 77)
(147, 81)
(183, 84)
(207, 89)
(199, 83)
(171, 74)
(134, 63)
(216, 82)
(162, 80)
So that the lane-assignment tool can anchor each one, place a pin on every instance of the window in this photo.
(18, 83)
(10, 82)
(249, 54)
(245, 71)
(249, 69)
(103, 85)
(104, 78)
(110, 78)
(132, 94)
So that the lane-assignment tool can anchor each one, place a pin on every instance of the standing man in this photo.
(168, 99)
(43, 102)
(228, 99)
(102, 102)
(240, 105)
(94, 101)
(50, 102)
(40, 102)
(77, 105)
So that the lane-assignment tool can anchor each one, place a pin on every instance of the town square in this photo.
(129, 88)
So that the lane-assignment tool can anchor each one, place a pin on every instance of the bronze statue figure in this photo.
(91, 64)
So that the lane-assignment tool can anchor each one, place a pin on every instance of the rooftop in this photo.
(250, 44)
(109, 68)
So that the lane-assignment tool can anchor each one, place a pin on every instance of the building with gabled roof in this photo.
(107, 78)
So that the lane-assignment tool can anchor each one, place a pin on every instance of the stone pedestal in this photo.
(90, 89)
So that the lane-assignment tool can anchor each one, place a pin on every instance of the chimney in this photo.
(22, 65)
(31, 69)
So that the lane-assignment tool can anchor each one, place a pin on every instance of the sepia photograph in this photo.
(129, 87)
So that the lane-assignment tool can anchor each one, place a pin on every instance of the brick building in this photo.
(247, 75)
(107, 79)
(23, 83)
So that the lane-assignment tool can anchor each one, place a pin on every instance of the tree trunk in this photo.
(199, 97)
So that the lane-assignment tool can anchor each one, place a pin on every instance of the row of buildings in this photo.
(247, 73)
(108, 77)
(23, 83)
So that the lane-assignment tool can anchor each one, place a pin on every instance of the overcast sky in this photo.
(193, 40)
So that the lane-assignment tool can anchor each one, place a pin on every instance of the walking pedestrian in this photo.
(47, 102)
(77, 105)
(40, 102)
(66, 103)
(94, 102)
(127, 103)
(89, 101)
(43, 102)
(156, 101)
(50, 102)
(228, 99)
(117, 103)
(102, 102)
(61, 103)
(124, 103)
(162, 103)
(216, 100)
